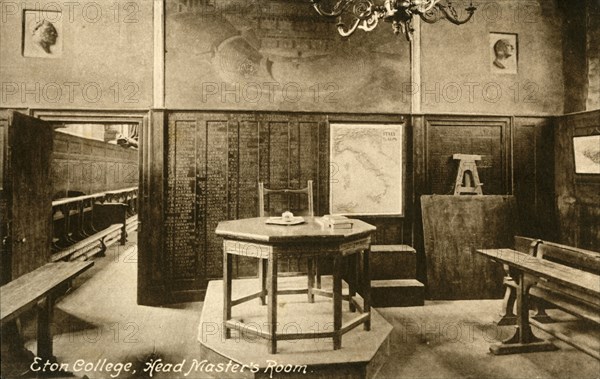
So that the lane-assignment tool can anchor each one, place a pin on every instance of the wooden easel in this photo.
(467, 179)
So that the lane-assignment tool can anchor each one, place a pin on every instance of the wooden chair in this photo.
(288, 204)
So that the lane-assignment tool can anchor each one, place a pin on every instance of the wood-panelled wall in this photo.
(516, 159)
(577, 195)
(203, 167)
(90, 166)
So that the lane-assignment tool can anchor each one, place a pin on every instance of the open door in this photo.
(26, 193)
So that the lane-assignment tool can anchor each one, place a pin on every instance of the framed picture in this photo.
(587, 154)
(42, 34)
(366, 169)
(503, 53)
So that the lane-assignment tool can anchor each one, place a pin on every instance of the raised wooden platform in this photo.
(361, 356)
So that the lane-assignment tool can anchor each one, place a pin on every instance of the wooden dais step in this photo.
(393, 262)
(397, 293)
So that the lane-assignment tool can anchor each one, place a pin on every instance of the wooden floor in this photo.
(100, 320)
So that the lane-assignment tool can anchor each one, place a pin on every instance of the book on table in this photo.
(336, 222)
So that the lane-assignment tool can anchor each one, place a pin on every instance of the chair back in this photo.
(285, 199)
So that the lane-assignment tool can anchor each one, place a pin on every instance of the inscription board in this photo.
(180, 220)
(214, 164)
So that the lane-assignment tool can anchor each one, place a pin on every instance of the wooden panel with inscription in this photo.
(214, 163)
(180, 215)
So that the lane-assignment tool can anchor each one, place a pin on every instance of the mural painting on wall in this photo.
(278, 55)
(503, 48)
(42, 34)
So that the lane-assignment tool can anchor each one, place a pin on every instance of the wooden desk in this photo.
(528, 271)
(268, 243)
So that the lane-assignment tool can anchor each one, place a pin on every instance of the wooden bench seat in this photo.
(38, 289)
(567, 303)
(92, 245)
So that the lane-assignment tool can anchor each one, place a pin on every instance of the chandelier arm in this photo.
(365, 14)
(339, 8)
(428, 5)
(341, 27)
(430, 17)
(451, 18)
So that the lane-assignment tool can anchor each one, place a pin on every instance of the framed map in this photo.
(366, 166)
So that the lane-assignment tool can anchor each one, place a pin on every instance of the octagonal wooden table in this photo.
(254, 238)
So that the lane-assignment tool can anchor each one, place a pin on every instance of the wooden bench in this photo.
(563, 276)
(585, 260)
(39, 289)
(87, 225)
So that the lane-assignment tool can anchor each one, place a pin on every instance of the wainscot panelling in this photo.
(516, 159)
(577, 195)
(486, 136)
(209, 171)
(90, 166)
(533, 176)
(203, 167)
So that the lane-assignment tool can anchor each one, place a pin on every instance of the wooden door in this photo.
(29, 194)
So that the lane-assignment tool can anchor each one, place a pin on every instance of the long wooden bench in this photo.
(39, 289)
(564, 276)
(87, 225)
(585, 260)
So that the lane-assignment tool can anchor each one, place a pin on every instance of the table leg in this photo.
(337, 302)
(262, 274)
(352, 280)
(44, 334)
(311, 279)
(318, 272)
(272, 303)
(366, 282)
(227, 271)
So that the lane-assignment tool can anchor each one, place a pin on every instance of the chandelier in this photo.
(365, 14)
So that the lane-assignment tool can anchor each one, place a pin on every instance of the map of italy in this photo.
(366, 169)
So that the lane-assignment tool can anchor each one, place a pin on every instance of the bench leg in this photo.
(44, 335)
(541, 315)
(124, 234)
(508, 317)
(103, 248)
(523, 341)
